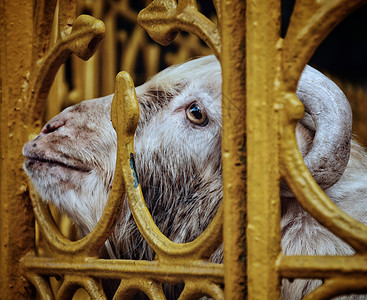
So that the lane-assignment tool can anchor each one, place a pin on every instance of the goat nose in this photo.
(52, 126)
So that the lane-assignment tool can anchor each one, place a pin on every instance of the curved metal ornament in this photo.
(254, 60)
(273, 68)
(129, 287)
(303, 37)
(125, 117)
(80, 37)
(305, 188)
(164, 19)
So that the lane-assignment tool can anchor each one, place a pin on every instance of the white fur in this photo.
(179, 167)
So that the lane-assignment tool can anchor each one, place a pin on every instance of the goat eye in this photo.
(197, 115)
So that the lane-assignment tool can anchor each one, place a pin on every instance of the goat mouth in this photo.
(39, 161)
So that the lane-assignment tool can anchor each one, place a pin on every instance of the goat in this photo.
(178, 159)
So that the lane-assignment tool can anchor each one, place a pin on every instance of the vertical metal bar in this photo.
(16, 217)
(263, 203)
(234, 147)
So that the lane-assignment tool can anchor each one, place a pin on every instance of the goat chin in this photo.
(178, 159)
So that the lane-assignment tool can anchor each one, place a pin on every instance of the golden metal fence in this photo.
(260, 110)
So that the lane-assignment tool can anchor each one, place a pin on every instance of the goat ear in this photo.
(332, 118)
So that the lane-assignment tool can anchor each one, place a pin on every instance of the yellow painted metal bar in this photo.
(42, 286)
(306, 25)
(234, 156)
(260, 112)
(263, 201)
(339, 285)
(44, 15)
(125, 106)
(310, 23)
(168, 272)
(321, 266)
(16, 218)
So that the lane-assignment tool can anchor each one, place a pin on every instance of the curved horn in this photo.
(331, 113)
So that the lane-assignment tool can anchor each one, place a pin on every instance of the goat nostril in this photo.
(51, 127)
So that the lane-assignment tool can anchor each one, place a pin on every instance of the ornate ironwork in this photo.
(260, 111)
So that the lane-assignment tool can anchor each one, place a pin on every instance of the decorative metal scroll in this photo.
(125, 47)
(304, 35)
(188, 262)
(260, 74)
(80, 37)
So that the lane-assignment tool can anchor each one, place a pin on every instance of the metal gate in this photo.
(260, 110)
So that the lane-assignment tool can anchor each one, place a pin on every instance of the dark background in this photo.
(343, 54)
